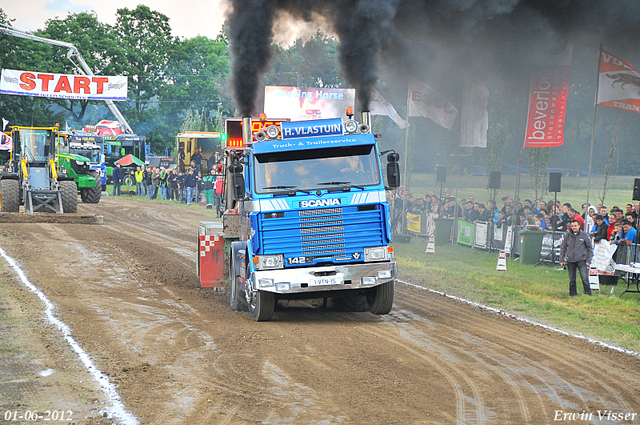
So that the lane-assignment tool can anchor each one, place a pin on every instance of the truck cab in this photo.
(314, 221)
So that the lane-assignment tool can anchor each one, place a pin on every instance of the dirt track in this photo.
(129, 291)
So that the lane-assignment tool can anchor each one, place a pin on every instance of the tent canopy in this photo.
(129, 160)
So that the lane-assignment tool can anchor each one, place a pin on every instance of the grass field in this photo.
(538, 293)
(574, 189)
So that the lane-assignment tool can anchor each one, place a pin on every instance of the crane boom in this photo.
(84, 68)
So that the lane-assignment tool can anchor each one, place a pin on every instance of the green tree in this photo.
(97, 44)
(314, 62)
(145, 38)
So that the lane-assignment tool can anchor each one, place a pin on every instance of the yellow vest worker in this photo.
(139, 176)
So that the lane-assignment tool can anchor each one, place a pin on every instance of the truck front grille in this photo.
(322, 232)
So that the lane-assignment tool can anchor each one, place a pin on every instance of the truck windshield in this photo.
(92, 154)
(35, 144)
(350, 166)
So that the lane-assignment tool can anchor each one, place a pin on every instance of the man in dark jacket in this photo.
(117, 180)
(601, 229)
(577, 248)
(190, 182)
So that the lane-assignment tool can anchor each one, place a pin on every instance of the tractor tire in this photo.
(92, 196)
(69, 191)
(10, 195)
(128, 180)
(380, 298)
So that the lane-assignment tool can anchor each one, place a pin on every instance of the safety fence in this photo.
(497, 237)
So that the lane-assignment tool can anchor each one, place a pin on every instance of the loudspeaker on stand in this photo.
(555, 182)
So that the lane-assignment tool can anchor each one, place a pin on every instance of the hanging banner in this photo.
(64, 86)
(475, 118)
(547, 107)
(618, 83)
(414, 223)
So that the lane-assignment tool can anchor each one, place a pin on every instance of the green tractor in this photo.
(80, 157)
(31, 177)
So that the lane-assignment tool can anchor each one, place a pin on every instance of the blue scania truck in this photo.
(312, 213)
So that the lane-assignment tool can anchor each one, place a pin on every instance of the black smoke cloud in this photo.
(426, 37)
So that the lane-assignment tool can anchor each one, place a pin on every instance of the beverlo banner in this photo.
(43, 84)
(547, 107)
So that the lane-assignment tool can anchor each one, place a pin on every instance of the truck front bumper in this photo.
(328, 278)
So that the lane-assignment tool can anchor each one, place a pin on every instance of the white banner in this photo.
(380, 106)
(475, 118)
(618, 83)
(6, 142)
(602, 257)
(426, 102)
(43, 84)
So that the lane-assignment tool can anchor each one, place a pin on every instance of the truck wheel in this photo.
(10, 195)
(92, 196)
(236, 301)
(262, 306)
(69, 191)
(380, 298)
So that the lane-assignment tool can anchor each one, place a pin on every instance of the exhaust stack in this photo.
(247, 136)
(365, 127)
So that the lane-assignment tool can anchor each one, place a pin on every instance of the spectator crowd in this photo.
(614, 225)
(189, 187)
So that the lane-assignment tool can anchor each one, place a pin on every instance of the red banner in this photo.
(547, 107)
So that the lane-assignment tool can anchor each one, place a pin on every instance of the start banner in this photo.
(64, 86)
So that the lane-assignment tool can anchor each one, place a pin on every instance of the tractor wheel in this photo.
(380, 298)
(92, 196)
(128, 180)
(10, 195)
(69, 191)
(262, 304)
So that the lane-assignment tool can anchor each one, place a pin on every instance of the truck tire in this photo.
(380, 298)
(10, 195)
(69, 191)
(262, 306)
(92, 196)
(236, 300)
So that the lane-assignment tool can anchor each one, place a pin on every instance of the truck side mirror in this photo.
(237, 180)
(393, 170)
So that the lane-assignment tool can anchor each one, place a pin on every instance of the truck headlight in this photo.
(378, 253)
(269, 262)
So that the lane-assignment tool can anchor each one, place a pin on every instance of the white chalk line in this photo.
(522, 319)
(117, 409)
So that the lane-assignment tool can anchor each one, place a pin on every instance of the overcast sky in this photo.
(188, 18)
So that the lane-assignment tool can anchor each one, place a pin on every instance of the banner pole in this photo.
(406, 156)
(593, 132)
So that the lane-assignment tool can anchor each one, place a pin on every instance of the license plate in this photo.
(325, 281)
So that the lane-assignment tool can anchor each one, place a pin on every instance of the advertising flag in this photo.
(548, 103)
(43, 84)
(380, 106)
(426, 102)
(618, 83)
(475, 118)
(6, 142)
